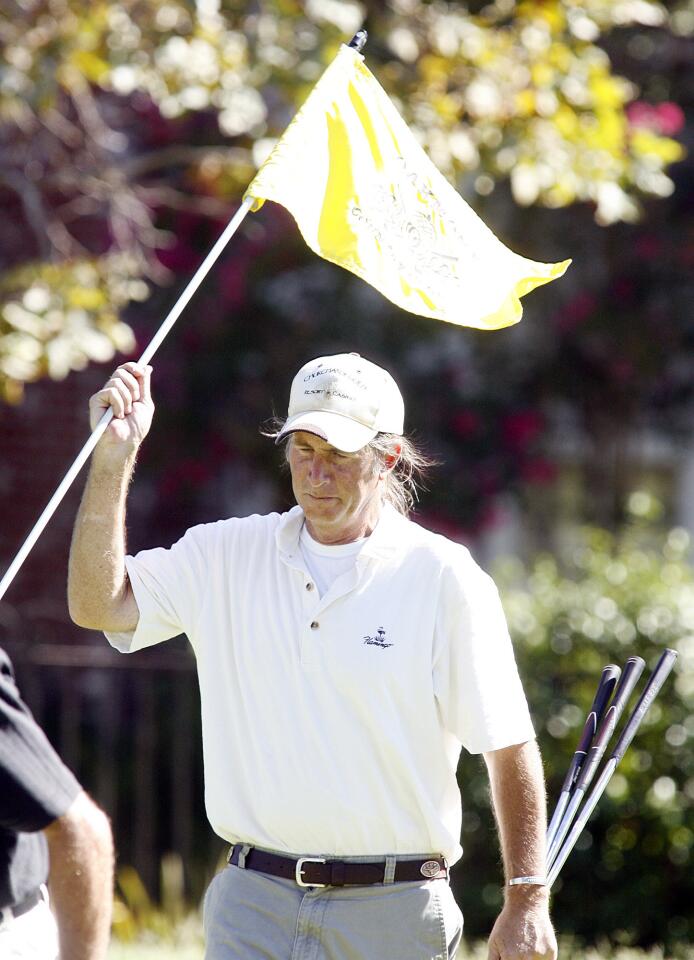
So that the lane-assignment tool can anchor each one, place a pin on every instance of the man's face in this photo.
(340, 493)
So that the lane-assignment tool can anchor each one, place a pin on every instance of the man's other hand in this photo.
(523, 930)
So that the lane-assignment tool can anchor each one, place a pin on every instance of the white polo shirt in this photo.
(333, 725)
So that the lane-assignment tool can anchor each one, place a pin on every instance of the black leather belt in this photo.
(24, 906)
(321, 872)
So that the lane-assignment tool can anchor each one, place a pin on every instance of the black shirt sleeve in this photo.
(35, 785)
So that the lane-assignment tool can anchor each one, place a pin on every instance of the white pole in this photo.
(149, 352)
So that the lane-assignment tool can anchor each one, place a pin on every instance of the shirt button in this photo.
(309, 586)
(314, 625)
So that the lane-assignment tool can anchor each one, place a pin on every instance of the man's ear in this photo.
(391, 459)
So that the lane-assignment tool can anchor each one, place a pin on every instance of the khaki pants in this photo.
(253, 916)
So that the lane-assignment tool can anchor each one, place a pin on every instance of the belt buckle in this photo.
(300, 869)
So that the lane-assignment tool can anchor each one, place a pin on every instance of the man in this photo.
(344, 655)
(49, 831)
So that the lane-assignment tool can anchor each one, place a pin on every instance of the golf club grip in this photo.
(608, 679)
(633, 669)
(656, 680)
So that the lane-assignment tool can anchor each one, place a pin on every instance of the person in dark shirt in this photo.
(50, 832)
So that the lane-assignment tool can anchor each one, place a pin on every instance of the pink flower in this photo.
(640, 114)
(179, 259)
(521, 428)
(664, 118)
(671, 118)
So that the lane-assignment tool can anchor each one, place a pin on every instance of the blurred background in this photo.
(128, 132)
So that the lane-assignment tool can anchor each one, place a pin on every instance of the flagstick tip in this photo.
(358, 41)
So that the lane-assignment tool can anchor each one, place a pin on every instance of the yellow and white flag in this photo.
(366, 196)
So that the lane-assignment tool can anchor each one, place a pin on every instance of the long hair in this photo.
(403, 481)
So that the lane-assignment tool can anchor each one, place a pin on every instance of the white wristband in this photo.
(537, 881)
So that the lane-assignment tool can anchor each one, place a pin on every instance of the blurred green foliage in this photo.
(137, 919)
(118, 116)
(601, 600)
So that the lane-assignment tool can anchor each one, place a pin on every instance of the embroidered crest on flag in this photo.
(366, 196)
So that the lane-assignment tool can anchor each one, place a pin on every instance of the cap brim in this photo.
(340, 432)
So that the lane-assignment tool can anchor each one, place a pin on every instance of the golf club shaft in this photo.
(651, 690)
(630, 675)
(576, 830)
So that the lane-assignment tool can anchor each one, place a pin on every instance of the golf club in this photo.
(630, 675)
(655, 682)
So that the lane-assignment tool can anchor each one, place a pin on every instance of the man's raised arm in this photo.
(99, 594)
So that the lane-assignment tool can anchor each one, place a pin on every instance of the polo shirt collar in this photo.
(383, 543)
(287, 533)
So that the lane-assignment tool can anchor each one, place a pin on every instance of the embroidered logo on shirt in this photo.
(379, 640)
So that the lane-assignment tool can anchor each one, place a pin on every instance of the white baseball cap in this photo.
(345, 400)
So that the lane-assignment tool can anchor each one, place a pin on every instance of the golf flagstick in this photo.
(655, 682)
(357, 42)
(99, 429)
(630, 675)
(608, 679)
